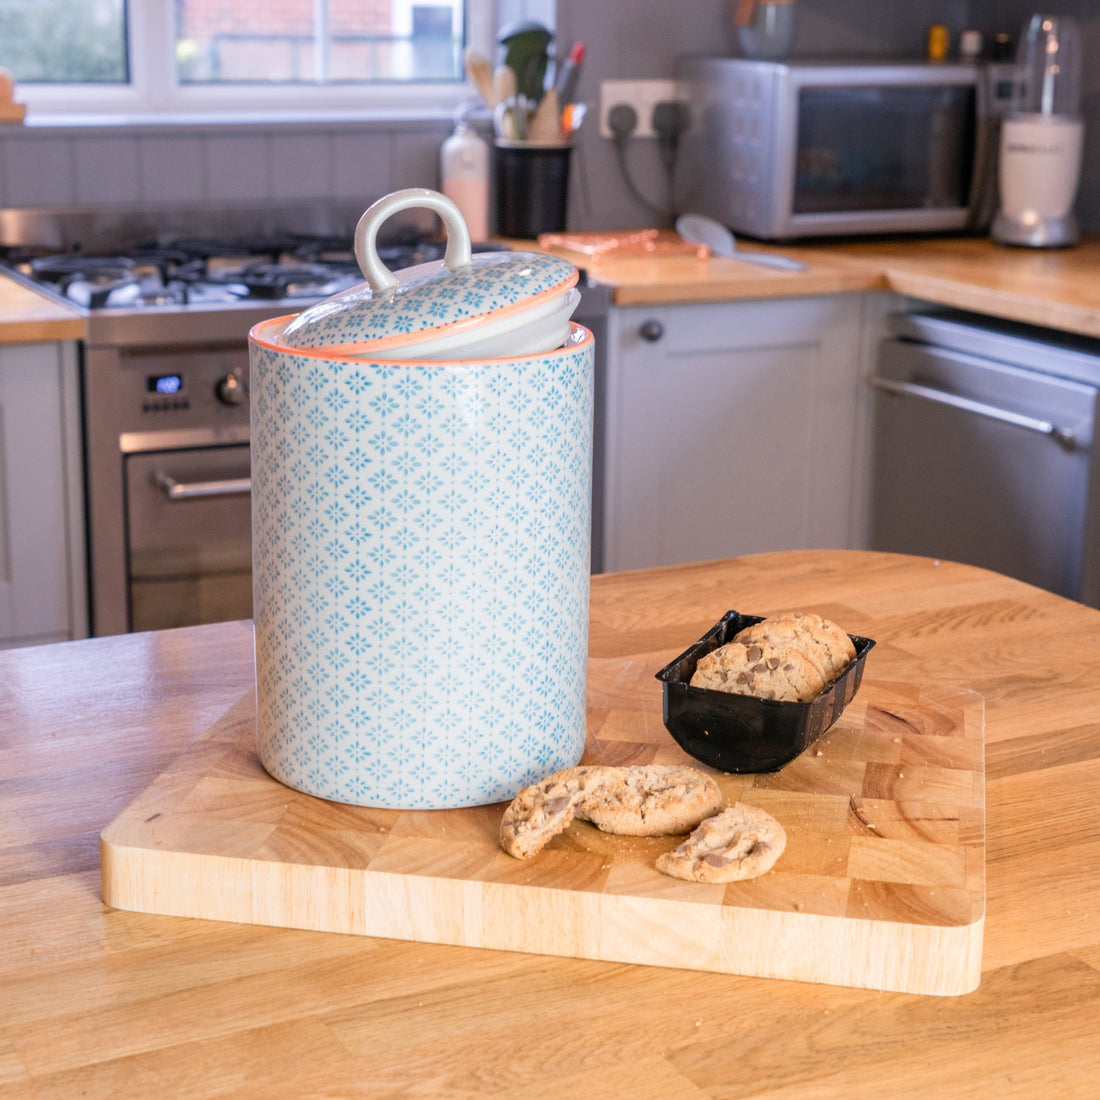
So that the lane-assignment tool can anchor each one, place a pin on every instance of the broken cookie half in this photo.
(741, 842)
(637, 800)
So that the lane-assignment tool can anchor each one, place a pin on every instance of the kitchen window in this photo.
(155, 56)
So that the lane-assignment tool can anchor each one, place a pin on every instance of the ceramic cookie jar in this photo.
(421, 510)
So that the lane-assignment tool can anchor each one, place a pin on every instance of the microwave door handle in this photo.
(1064, 437)
(190, 490)
(987, 136)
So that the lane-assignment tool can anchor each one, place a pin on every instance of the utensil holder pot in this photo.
(532, 188)
(420, 572)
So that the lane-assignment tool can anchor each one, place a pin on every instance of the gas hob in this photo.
(140, 280)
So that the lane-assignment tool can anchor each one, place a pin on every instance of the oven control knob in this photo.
(230, 390)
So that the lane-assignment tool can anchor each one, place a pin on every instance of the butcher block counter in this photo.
(102, 1002)
(1055, 288)
(27, 317)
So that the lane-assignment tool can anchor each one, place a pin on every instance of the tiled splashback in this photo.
(224, 164)
(93, 166)
(189, 164)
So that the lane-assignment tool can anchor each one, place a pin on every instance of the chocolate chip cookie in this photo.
(761, 668)
(741, 842)
(820, 639)
(639, 800)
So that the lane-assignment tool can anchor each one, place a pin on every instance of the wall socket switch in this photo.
(642, 95)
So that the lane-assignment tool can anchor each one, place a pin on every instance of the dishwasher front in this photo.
(983, 449)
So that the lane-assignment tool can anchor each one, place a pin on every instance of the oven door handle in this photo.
(1064, 437)
(189, 490)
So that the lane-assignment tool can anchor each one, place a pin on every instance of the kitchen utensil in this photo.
(544, 126)
(572, 117)
(10, 111)
(569, 74)
(699, 229)
(532, 187)
(450, 300)
(526, 53)
(505, 124)
(739, 733)
(1042, 138)
(504, 85)
(511, 119)
(765, 28)
(479, 71)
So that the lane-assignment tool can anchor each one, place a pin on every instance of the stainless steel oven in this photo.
(167, 469)
(188, 539)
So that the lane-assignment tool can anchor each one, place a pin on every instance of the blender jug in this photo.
(1041, 139)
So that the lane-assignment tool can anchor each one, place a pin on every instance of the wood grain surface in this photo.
(1056, 288)
(27, 317)
(101, 1002)
(881, 884)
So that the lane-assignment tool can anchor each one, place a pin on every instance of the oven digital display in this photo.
(165, 384)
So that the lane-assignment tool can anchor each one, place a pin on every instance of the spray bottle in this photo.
(464, 167)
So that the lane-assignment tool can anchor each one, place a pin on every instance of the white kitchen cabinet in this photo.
(729, 429)
(42, 560)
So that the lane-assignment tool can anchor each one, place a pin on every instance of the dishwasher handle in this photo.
(190, 490)
(1064, 437)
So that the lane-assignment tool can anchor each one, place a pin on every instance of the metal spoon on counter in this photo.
(699, 229)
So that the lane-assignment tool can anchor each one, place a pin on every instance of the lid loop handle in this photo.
(378, 276)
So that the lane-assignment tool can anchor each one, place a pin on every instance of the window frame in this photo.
(153, 92)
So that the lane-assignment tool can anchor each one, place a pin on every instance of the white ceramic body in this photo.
(421, 538)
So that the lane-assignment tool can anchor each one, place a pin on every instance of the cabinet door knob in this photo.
(651, 331)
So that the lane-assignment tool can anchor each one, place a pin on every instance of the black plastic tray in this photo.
(741, 733)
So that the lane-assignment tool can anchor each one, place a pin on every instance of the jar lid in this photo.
(447, 297)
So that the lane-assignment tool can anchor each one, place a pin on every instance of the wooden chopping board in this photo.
(882, 884)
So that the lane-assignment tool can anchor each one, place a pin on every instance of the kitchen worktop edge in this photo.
(29, 317)
(1051, 288)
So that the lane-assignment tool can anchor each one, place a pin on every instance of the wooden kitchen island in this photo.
(102, 1002)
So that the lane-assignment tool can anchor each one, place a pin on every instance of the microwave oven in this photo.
(781, 149)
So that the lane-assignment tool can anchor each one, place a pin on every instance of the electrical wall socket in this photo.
(642, 95)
